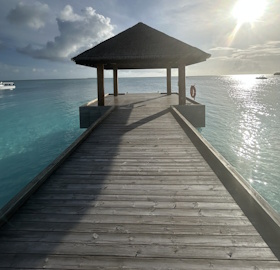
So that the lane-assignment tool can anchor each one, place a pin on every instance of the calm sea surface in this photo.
(39, 119)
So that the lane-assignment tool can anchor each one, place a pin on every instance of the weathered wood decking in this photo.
(136, 194)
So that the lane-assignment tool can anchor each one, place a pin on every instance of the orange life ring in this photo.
(193, 91)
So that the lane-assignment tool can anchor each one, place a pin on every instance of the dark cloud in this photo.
(33, 16)
(77, 33)
(2, 46)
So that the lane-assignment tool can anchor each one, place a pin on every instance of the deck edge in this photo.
(263, 217)
(22, 196)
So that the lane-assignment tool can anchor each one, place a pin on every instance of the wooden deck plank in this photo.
(138, 204)
(137, 195)
(146, 251)
(135, 192)
(131, 211)
(135, 239)
(168, 229)
(97, 262)
(134, 219)
(112, 262)
(139, 186)
(52, 198)
(133, 179)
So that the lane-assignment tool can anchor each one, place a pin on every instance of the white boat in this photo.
(7, 86)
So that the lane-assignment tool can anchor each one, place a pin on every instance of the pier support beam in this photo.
(182, 85)
(116, 91)
(100, 85)
(168, 75)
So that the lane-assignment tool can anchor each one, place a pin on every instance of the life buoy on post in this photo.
(193, 91)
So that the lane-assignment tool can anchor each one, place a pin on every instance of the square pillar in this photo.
(116, 91)
(100, 85)
(182, 85)
(168, 75)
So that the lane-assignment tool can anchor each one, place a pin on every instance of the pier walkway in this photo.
(136, 194)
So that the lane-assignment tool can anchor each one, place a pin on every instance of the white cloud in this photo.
(77, 33)
(222, 49)
(257, 51)
(33, 16)
(257, 58)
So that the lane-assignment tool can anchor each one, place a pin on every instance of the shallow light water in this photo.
(39, 119)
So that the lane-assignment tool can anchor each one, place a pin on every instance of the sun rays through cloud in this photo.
(246, 12)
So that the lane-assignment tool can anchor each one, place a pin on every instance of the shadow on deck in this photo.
(136, 194)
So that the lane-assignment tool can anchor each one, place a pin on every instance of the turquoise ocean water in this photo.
(40, 118)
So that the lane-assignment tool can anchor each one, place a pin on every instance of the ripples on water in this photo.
(243, 124)
(39, 119)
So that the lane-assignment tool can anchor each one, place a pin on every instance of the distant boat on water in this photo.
(277, 73)
(7, 86)
(261, 77)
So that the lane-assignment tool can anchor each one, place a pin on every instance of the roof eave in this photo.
(128, 62)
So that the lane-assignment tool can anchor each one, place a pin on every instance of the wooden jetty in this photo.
(137, 194)
(141, 189)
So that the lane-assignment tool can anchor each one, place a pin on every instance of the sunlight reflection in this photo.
(245, 82)
(247, 94)
(246, 11)
(257, 181)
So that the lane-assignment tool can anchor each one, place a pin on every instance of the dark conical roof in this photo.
(141, 47)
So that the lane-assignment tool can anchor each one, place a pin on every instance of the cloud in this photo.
(256, 51)
(227, 49)
(77, 33)
(2, 46)
(33, 16)
(259, 51)
(256, 58)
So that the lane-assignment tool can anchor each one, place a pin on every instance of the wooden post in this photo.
(182, 85)
(116, 92)
(168, 73)
(100, 85)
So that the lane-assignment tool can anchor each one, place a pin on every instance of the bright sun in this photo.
(248, 11)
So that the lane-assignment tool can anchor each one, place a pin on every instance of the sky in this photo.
(38, 38)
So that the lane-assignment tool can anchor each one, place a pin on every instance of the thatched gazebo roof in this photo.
(141, 47)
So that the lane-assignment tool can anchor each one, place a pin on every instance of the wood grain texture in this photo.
(135, 195)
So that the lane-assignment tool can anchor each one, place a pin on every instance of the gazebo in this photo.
(141, 47)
